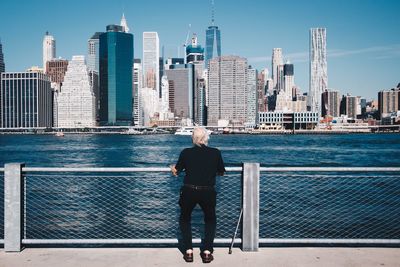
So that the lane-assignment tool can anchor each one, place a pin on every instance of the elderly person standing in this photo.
(201, 164)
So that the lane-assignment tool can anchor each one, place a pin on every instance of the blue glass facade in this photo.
(116, 62)
(213, 43)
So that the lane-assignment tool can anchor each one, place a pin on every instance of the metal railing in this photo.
(139, 206)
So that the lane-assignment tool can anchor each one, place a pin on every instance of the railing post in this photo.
(251, 200)
(13, 206)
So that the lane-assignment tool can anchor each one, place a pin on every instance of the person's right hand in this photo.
(173, 170)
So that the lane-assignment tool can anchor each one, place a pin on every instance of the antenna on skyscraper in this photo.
(212, 12)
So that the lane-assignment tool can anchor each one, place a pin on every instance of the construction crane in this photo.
(185, 43)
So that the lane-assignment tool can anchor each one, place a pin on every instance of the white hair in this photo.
(200, 136)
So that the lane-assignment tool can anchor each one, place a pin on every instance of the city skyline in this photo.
(363, 47)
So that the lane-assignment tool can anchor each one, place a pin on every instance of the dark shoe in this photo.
(207, 257)
(188, 257)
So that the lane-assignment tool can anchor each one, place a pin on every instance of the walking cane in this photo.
(237, 227)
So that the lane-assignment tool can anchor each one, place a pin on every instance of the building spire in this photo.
(124, 24)
(212, 13)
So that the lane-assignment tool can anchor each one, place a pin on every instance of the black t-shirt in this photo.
(201, 164)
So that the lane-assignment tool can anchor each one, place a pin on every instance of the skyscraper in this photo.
(213, 40)
(318, 68)
(76, 101)
(116, 63)
(151, 63)
(227, 83)
(2, 65)
(251, 91)
(388, 101)
(277, 62)
(181, 90)
(26, 100)
(49, 49)
(137, 86)
(93, 52)
(2, 69)
(288, 77)
(330, 103)
(56, 69)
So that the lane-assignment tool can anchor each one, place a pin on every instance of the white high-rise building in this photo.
(149, 101)
(277, 69)
(151, 60)
(318, 68)
(165, 112)
(251, 97)
(137, 85)
(76, 101)
(49, 49)
(227, 83)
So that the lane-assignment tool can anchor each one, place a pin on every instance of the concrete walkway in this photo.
(276, 257)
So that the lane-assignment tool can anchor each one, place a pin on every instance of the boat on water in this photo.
(132, 131)
(59, 134)
(188, 130)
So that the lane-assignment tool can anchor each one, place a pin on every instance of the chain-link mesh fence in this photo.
(119, 206)
(1, 205)
(330, 205)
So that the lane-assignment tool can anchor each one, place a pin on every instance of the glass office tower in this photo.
(116, 62)
(213, 43)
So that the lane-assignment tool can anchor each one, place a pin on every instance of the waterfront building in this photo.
(213, 40)
(49, 49)
(151, 63)
(93, 52)
(181, 83)
(388, 101)
(137, 85)
(27, 100)
(330, 103)
(227, 86)
(76, 101)
(350, 106)
(277, 63)
(251, 91)
(116, 63)
(288, 120)
(318, 68)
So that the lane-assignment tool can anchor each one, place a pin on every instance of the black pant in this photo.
(206, 198)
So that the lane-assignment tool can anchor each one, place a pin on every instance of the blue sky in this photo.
(363, 36)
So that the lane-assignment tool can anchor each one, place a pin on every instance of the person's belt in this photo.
(199, 187)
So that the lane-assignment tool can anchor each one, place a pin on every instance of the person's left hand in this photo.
(173, 170)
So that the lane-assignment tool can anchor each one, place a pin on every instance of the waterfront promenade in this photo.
(276, 257)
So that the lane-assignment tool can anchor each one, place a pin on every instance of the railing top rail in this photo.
(109, 169)
(228, 169)
(330, 169)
